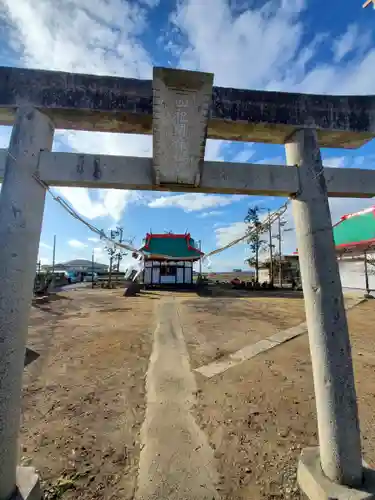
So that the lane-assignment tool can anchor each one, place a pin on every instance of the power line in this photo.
(68, 208)
(100, 232)
(270, 219)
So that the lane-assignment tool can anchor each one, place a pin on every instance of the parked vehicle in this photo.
(88, 278)
(61, 278)
(73, 277)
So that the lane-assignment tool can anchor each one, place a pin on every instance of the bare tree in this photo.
(278, 236)
(115, 252)
(255, 241)
(371, 263)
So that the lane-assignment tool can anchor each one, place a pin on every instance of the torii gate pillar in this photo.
(21, 213)
(336, 404)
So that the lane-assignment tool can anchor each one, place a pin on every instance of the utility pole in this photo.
(366, 274)
(92, 268)
(120, 232)
(200, 259)
(54, 254)
(270, 246)
(280, 256)
(278, 236)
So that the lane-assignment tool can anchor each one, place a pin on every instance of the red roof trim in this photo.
(148, 238)
(356, 243)
(363, 243)
(355, 214)
(168, 235)
(174, 259)
(361, 212)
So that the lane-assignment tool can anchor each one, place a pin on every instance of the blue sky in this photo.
(290, 45)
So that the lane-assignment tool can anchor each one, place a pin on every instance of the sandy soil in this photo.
(259, 414)
(83, 401)
(84, 397)
(216, 327)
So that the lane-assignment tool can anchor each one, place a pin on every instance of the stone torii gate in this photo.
(181, 109)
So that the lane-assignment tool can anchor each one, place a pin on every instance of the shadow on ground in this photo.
(30, 356)
(229, 292)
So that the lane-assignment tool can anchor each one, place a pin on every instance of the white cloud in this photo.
(109, 202)
(45, 245)
(213, 151)
(353, 40)
(274, 160)
(352, 78)
(245, 155)
(335, 162)
(191, 202)
(4, 137)
(213, 213)
(44, 261)
(150, 3)
(287, 59)
(100, 254)
(222, 45)
(222, 263)
(94, 240)
(350, 160)
(57, 39)
(225, 235)
(76, 244)
(345, 43)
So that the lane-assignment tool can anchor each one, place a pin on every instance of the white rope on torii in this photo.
(270, 219)
(141, 255)
(369, 2)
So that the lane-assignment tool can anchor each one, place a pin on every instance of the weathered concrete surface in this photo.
(246, 178)
(316, 486)
(181, 101)
(28, 485)
(86, 170)
(349, 182)
(132, 289)
(113, 104)
(126, 172)
(176, 460)
(336, 403)
(21, 214)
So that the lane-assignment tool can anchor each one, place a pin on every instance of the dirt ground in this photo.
(84, 397)
(83, 401)
(258, 415)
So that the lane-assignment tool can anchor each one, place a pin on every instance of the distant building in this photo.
(169, 259)
(79, 265)
(289, 269)
(354, 237)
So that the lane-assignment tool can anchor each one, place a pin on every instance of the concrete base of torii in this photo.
(316, 486)
(28, 485)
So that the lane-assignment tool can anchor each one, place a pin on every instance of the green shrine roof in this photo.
(175, 246)
(355, 232)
